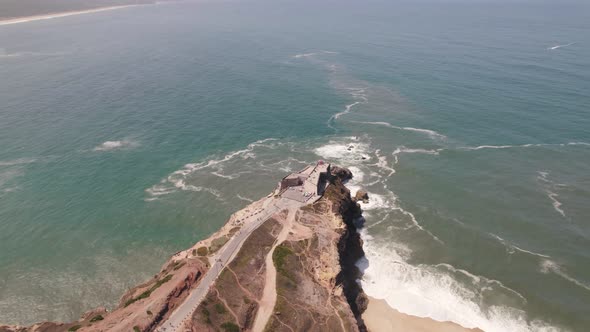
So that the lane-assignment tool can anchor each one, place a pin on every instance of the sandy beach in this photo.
(57, 15)
(380, 317)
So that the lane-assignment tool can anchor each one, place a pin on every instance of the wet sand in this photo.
(380, 317)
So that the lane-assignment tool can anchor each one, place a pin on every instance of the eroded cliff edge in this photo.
(295, 272)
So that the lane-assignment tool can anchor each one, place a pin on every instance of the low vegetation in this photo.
(178, 266)
(202, 251)
(206, 315)
(218, 243)
(230, 327)
(220, 308)
(279, 257)
(75, 328)
(96, 318)
(148, 292)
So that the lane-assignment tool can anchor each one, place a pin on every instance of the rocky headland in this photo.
(284, 263)
(295, 272)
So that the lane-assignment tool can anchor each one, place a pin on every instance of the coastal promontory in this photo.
(283, 263)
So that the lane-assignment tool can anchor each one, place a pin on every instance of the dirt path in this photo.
(269, 295)
(182, 314)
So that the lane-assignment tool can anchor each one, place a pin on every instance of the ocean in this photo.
(130, 134)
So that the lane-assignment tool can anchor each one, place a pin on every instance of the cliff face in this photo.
(350, 248)
(295, 272)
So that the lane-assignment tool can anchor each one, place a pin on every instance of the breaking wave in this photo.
(351, 152)
(178, 179)
(116, 145)
(307, 55)
(441, 292)
(511, 248)
(559, 46)
(551, 194)
(549, 266)
(431, 133)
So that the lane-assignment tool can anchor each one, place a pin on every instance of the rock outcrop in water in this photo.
(344, 174)
(295, 272)
(362, 196)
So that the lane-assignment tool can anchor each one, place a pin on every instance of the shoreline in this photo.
(380, 317)
(25, 19)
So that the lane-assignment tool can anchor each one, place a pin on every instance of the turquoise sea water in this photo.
(130, 134)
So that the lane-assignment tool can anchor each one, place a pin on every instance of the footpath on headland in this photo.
(286, 197)
(285, 263)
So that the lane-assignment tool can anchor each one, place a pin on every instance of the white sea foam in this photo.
(437, 292)
(431, 133)
(347, 109)
(549, 266)
(376, 202)
(357, 174)
(359, 95)
(383, 164)
(7, 179)
(491, 147)
(559, 46)
(212, 191)
(441, 292)
(310, 54)
(116, 145)
(19, 161)
(403, 149)
(4, 54)
(178, 179)
(379, 222)
(349, 153)
(229, 177)
(549, 187)
(511, 248)
(578, 143)
(245, 198)
(556, 204)
(529, 252)
(427, 291)
(482, 147)
(428, 132)
(304, 55)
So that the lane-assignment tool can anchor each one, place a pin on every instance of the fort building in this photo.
(307, 185)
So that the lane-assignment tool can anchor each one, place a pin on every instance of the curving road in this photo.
(177, 319)
(270, 206)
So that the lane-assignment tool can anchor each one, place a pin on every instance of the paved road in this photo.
(183, 313)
